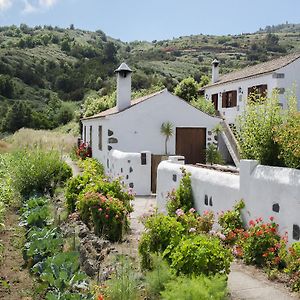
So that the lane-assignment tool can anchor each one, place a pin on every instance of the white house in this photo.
(133, 126)
(229, 92)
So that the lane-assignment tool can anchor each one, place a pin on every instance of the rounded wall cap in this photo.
(215, 63)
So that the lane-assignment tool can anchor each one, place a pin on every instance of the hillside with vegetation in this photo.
(48, 73)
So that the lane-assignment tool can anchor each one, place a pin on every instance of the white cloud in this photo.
(31, 6)
(28, 7)
(5, 4)
(47, 3)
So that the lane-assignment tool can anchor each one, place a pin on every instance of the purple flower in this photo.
(179, 212)
(212, 232)
(221, 236)
(192, 210)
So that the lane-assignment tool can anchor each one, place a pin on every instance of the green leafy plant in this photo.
(213, 156)
(41, 243)
(293, 266)
(200, 254)
(255, 129)
(183, 197)
(36, 212)
(160, 231)
(287, 137)
(195, 288)
(61, 274)
(36, 171)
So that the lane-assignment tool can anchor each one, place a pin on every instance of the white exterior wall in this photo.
(137, 129)
(291, 82)
(291, 79)
(133, 174)
(221, 188)
(231, 113)
(260, 186)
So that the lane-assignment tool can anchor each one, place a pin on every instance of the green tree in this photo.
(187, 89)
(206, 106)
(19, 115)
(167, 130)
(255, 129)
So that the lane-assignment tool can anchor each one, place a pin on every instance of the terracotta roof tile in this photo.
(259, 69)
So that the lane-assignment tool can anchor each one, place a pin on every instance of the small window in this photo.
(214, 99)
(100, 138)
(278, 75)
(143, 159)
(91, 134)
(229, 99)
(281, 91)
(258, 91)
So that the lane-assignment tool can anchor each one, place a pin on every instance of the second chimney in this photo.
(215, 71)
(123, 87)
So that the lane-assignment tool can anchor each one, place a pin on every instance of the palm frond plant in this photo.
(166, 129)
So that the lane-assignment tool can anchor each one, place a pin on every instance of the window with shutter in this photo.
(229, 99)
(258, 91)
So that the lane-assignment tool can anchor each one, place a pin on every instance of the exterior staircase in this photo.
(230, 142)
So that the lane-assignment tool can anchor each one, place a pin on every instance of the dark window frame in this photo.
(91, 136)
(256, 92)
(100, 132)
(229, 99)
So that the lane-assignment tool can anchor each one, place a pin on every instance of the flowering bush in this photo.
(262, 244)
(231, 222)
(195, 223)
(160, 232)
(201, 254)
(107, 215)
(84, 151)
(183, 196)
(293, 267)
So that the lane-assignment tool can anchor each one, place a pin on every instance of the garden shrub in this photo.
(74, 187)
(92, 166)
(158, 277)
(200, 254)
(195, 288)
(37, 172)
(262, 244)
(213, 155)
(293, 266)
(194, 222)
(160, 231)
(287, 137)
(183, 197)
(84, 151)
(107, 215)
(232, 223)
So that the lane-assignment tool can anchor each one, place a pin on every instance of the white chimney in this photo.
(215, 71)
(123, 87)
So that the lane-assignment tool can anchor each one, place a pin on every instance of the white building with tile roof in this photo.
(230, 92)
(133, 126)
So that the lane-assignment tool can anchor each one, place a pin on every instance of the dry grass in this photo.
(44, 139)
(4, 147)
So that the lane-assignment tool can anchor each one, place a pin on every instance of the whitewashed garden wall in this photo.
(133, 168)
(267, 191)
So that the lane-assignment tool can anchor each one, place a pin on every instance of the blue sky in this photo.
(152, 19)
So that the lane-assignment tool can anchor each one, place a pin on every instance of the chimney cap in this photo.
(215, 63)
(123, 68)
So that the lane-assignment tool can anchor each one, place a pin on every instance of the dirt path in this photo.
(15, 282)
